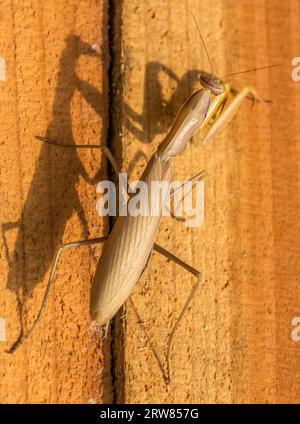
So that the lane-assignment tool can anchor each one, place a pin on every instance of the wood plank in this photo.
(235, 343)
(53, 87)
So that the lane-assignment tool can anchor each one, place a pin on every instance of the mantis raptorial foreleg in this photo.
(228, 110)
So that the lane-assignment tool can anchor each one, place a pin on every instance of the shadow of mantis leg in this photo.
(61, 249)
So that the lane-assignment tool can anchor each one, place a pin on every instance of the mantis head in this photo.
(216, 86)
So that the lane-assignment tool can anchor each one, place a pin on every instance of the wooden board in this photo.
(53, 87)
(235, 343)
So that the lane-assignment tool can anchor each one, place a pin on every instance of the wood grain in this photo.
(235, 343)
(54, 87)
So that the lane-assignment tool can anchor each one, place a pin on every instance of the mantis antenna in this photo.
(202, 39)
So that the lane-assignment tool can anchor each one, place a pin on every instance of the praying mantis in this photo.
(128, 248)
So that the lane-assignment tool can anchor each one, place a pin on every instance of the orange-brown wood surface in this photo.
(53, 87)
(235, 342)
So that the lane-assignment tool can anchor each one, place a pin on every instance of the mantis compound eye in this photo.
(212, 84)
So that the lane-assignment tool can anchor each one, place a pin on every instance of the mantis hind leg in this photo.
(62, 248)
(105, 149)
(181, 189)
(197, 274)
